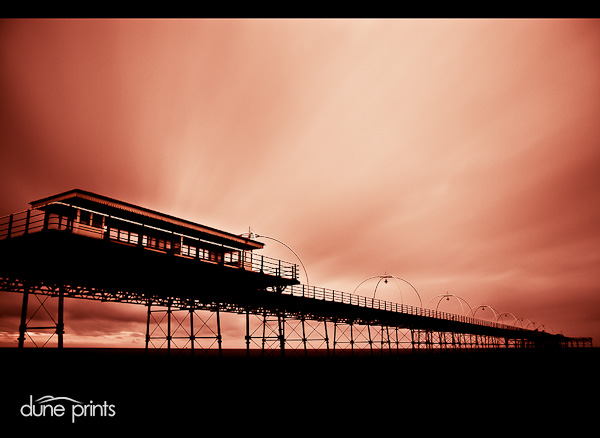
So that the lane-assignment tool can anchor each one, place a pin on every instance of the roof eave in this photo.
(234, 239)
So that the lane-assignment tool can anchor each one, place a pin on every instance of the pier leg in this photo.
(304, 335)
(148, 325)
(192, 337)
(281, 324)
(334, 336)
(247, 333)
(169, 330)
(326, 336)
(23, 325)
(352, 338)
(219, 338)
(60, 326)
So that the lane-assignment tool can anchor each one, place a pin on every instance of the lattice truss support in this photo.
(432, 340)
(190, 328)
(42, 317)
(177, 324)
(351, 337)
(357, 337)
(278, 333)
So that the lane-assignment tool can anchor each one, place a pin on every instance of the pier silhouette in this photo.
(80, 245)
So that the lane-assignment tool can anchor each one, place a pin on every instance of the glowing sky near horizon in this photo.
(460, 155)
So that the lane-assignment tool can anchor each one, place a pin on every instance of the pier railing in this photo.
(324, 294)
(129, 232)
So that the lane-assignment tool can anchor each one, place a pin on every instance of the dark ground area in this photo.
(340, 395)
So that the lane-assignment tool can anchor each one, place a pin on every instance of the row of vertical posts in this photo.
(272, 327)
(191, 335)
(11, 224)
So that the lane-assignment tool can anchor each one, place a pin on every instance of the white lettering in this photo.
(59, 410)
(77, 411)
(45, 407)
(29, 406)
(41, 410)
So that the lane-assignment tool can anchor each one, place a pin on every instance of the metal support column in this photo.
(169, 329)
(264, 335)
(336, 336)
(247, 333)
(302, 319)
(387, 341)
(352, 338)
(148, 325)
(23, 325)
(281, 325)
(60, 326)
(416, 339)
(326, 336)
(219, 337)
(192, 336)
(273, 332)
(57, 326)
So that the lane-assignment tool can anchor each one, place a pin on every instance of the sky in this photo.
(459, 155)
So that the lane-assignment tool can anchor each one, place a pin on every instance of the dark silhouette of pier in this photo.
(82, 245)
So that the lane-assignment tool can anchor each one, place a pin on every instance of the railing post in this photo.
(140, 242)
(107, 232)
(10, 224)
(46, 220)
(27, 220)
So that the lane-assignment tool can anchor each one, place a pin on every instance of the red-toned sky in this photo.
(460, 155)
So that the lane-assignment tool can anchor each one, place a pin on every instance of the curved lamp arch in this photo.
(508, 314)
(385, 277)
(448, 296)
(252, 234)
(484, 306)
(538, 326)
